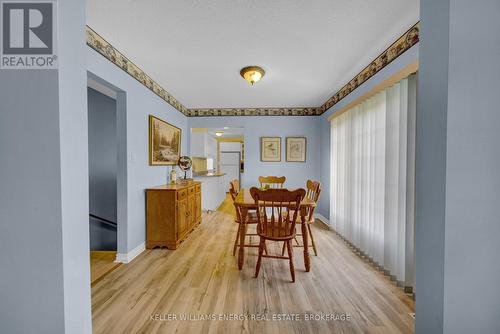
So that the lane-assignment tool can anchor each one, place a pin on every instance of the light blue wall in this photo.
(30, 205)
(140, 103)
(399, 63)
(44, 232)
(259, 126)
(430, 165)
(472, 228)
(458, 158)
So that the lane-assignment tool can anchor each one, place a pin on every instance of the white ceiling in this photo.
(195, 48)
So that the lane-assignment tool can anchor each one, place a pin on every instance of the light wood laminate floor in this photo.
(101, 264)
(201, 278)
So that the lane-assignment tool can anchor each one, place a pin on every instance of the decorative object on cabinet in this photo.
(172, 212)
(270, 149)
(185, 164)
(173, 176)
(164, 142)
(296, 149)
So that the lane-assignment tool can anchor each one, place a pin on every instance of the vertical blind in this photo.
(372, 181)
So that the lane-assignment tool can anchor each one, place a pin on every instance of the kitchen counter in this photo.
(208, 174)
(213, 190)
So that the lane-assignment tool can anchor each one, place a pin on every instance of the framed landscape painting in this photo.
(164, 142)
(296, 149)
(270, 149)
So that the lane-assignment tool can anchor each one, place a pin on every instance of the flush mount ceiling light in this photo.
(252, 74)
(218, 133)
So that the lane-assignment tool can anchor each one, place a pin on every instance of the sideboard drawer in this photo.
(181, 194)
(190, 190)
(197, 188)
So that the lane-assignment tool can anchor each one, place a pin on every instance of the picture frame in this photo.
(164, 142)
(270, 149)
(296, 149)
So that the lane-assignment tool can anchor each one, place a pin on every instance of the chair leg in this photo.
(236, 241)
(262, 245)
(290, 255)
(284, 246)
(312, 239)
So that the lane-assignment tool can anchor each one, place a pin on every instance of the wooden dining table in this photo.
(245, 203)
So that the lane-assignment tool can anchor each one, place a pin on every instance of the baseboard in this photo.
(323, 219)
(128, 257)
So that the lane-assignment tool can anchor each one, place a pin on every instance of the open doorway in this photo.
(230, 152)
(218, 157)
(107, 176)
(102, 139)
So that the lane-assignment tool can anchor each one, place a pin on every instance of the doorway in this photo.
(231, 154)
(102, 141)
(107, 175)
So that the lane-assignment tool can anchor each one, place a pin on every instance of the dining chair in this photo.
(234, 185)
(278, 223)
(272, 182)
(234, 188)
(251, 218)
(313, 192)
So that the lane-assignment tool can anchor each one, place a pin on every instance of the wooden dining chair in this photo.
(313, 192)
(234, 188)
(251, 218)
(272, 182)
(276, 220)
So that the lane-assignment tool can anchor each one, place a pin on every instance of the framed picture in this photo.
(270, 149)
(164, 142)
(296, 149)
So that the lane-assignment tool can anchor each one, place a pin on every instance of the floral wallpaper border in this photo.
(96, 42)
(313, 111)
(403, 43)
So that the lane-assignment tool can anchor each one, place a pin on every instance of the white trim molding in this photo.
(323, 219)
(128, 257)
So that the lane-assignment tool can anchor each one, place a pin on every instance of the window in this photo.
(372, 180)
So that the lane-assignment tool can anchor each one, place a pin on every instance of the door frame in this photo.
(120, 95)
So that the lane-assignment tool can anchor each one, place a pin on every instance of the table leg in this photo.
(241, 252)
(305, 238)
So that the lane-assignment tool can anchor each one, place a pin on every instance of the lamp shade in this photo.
(252, 74)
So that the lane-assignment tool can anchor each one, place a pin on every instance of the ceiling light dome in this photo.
(252, 74)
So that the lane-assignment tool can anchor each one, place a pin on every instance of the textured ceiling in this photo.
(195, 48)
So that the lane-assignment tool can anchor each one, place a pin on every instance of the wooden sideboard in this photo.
(172, 212)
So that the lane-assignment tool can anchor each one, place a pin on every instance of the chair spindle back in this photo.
(234, 188)
(313, 192)
(272, 182)
(277, 221)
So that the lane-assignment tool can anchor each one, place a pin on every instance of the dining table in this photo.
(245, 203)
